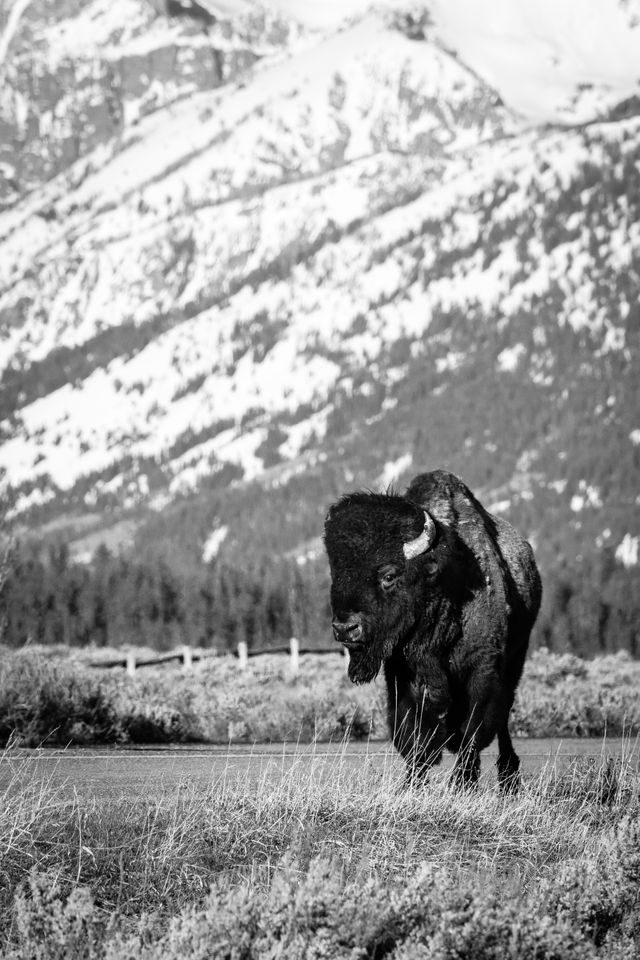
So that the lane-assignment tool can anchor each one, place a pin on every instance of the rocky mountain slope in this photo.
(77, 75)
(245, 266)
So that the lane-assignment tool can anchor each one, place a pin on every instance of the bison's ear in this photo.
(423, 542)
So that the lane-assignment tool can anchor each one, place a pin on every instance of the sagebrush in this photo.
(57, 699)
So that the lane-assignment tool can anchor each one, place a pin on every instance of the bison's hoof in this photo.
(510, 783)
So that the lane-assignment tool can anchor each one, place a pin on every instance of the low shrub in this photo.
(561, 695)
(52, 926)
(157, 723)
(59, 701)
(315, 913)
(53, 703)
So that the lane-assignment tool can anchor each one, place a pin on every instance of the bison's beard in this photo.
(365, 662)
(364, 665)
(383, 630)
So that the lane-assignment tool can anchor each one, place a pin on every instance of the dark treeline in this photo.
(119, 599)
(590, 608)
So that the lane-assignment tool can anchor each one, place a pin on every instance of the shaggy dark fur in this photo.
(450, 626)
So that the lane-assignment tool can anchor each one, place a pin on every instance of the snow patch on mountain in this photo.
(588, 496)
(393, 470)
(213, 543)
(627, 551)
(509, 358)
(309, 430)
(562, 60)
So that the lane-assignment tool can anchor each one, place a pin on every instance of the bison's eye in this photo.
(388, 579)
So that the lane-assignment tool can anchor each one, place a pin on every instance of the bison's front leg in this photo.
(508, 762)
(466, 770)
(418, 733)
(467, 767)
(434, 685)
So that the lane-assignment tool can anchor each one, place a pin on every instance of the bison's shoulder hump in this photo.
(502, 553)
(445, 496)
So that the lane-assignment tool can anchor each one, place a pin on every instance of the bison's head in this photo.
(374, 543)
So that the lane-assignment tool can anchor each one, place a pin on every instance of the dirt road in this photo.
(156, 771)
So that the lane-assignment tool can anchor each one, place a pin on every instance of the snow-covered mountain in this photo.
(196, 220)
(240, 251)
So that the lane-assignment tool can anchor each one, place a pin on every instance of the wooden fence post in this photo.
(131, 663)
(294, 647)
(187, 657)
(243, 654)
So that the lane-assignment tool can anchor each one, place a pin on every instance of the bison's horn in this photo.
(422, 543)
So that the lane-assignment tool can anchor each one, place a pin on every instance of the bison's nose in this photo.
(348, 631)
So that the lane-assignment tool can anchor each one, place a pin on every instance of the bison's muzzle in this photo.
(348, 632)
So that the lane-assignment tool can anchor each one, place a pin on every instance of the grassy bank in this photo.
(347, 867)
(59, 699)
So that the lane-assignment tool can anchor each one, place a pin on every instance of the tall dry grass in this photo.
(327, 864)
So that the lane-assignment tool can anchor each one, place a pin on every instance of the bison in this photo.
(443, 595)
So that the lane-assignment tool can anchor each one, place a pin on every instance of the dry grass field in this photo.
(349, 867)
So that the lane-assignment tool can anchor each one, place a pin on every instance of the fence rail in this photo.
(188, 656)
